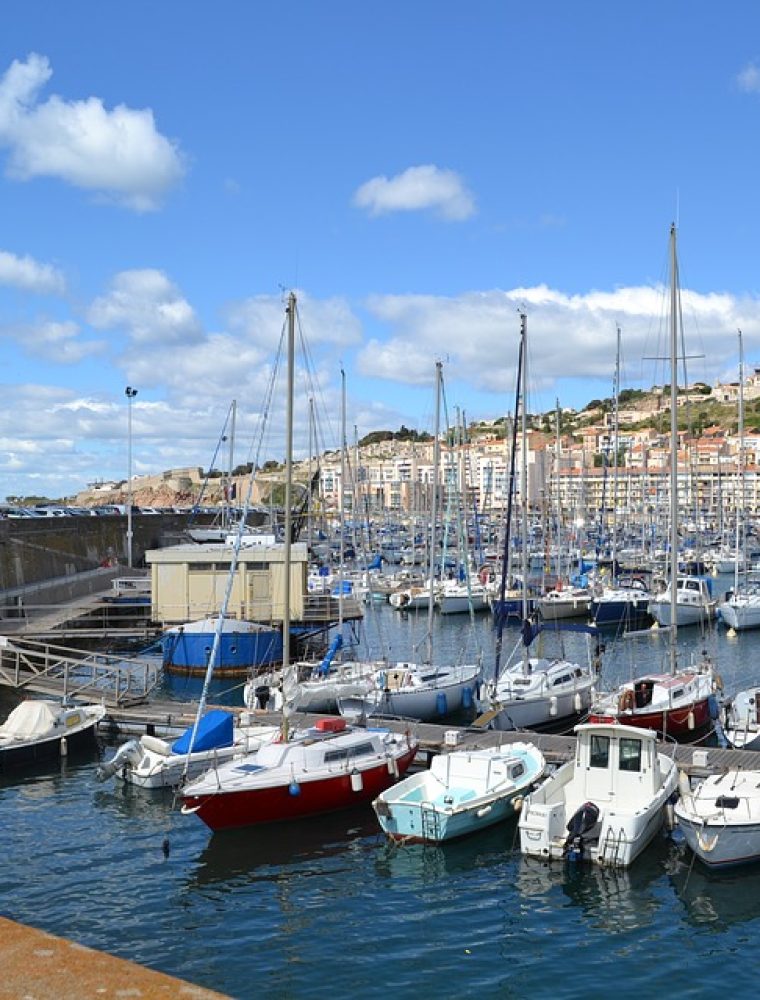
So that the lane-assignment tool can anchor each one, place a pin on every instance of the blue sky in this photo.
(415, 171)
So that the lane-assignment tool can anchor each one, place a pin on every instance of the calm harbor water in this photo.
(327, 906)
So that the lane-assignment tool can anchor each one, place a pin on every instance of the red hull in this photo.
(274, 804)
(674, 722)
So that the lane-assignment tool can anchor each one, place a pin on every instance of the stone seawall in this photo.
(37, 550)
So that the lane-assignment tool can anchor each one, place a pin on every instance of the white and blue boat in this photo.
(463, 792)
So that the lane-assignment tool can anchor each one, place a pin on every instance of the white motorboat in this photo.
(40, 729)
(720, 818)
(150, 762)
(606, 804)
(463, 791)
(694, 603)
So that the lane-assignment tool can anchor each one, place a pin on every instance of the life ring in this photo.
(626, 702)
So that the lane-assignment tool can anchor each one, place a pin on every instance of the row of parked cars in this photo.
(6, 510)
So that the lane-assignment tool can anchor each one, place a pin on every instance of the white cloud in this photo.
(323, 321)
(29, 275)
(54, 341)
(748, 79)
(118, 153)
(416, 189)
(569, 337)
(149, 307)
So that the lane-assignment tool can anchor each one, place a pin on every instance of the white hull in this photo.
(721, 819)
(741, 613)
(422, 693)
(620, 778)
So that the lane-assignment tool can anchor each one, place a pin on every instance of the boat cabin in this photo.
(616, 764)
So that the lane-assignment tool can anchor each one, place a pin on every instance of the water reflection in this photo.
(714, 900)
(430, 862)
(264, 852)
(616, 900)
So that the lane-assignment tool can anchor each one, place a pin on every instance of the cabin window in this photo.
(202, 567)
(678, 693)
(630, 754)
(358, 751)
(516, 770)
(563, 679)
(600, 751)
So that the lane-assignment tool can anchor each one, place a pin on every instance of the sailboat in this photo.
(534, 691)
(326, 767)
(679, 703)
(740, 609)
(426, 690)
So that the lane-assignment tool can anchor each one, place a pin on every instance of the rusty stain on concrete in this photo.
(38, 966)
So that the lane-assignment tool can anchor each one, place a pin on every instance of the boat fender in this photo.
(441, 705)
(690, 720)
(684, 785)
(357, 781)
(553, 705)
(484, 811)
(467, 698)
(157, 745)
(718, 681)
(713, 708)
(517, 803)
(578, 701)
(64, 747)
(294, 789)
(670, 816)
(393, 767)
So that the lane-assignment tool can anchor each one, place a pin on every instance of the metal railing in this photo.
(70, 673)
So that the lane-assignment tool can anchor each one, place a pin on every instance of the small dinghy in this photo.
(463, 792)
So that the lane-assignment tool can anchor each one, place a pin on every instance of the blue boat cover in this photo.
(214, 730)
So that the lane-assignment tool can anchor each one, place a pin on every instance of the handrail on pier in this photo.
(70, 673)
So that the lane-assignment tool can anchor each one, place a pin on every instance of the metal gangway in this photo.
(61, 672)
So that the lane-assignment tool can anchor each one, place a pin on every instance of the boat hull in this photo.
(21, 755)
(721, 846)
(682, 723)
(250, 807)
(409, 824)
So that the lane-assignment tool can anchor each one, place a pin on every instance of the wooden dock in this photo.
(170, 718)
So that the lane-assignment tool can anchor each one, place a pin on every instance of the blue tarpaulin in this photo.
(214, 730)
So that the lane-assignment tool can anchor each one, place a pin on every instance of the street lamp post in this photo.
(130, 393)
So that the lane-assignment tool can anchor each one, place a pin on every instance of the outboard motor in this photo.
(581, 822)
(129, 752)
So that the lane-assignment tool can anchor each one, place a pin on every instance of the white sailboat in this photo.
(535, 691)
(677, 703)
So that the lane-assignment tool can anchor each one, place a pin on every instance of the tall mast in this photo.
(739, 511)
(524, 478)
(616, 454)
(673, 447)
(291, 311)
(434, 506)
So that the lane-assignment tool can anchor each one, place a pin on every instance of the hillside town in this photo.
(590, 459)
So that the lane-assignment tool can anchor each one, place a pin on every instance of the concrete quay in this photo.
(39, 966)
